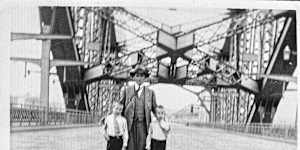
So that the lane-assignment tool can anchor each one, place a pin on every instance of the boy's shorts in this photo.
(158, 144)
(114, 143)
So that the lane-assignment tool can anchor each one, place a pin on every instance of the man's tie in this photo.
(116, 126)
(137, 91)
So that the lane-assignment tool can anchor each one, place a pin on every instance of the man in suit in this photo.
(138, 101)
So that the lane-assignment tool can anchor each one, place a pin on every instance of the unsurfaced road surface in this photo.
(180, 138)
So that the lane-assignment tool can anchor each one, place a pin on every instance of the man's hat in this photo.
(139, 70)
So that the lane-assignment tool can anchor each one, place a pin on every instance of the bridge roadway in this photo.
(181, 138)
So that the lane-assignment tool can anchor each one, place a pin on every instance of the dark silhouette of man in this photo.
(138, 101)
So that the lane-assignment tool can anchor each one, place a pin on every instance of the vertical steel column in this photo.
(233, 104)
(238, 105)
(45, 69)
(260, 52)
(215, 106)
(212, 107)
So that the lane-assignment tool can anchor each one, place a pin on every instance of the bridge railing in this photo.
(29, 115)
(284, 131)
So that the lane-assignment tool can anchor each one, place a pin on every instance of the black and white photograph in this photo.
(152, 78)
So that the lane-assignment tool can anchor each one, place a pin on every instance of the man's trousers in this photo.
(137, 136)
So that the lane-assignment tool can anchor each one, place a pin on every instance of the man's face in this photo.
(117, 110)
(139, 78)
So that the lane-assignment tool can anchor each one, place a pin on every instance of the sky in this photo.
(177, 16)
(26, 20)
(290, 101)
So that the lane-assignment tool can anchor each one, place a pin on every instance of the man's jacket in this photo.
(126, 98)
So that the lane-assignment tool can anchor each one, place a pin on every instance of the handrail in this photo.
(22, 115)
(283, 131)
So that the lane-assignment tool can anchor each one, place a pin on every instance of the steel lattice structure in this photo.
(248, 58)
(95, 42)
(220, 56)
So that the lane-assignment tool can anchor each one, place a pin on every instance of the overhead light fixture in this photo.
(286, 53)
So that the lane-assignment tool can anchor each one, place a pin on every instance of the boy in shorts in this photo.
(158, 131)
(115, 129)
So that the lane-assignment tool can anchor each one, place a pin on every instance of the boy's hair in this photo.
(117, 104)
(160, 107)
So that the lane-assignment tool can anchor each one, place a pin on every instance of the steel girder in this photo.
(255, 49)
(273, 87)
(96, 42)
(118, 18)
(95, 37)
(101, 95)
(60, 20)
(246, 55)
(134, 24)
(230, 105)
(229, 33)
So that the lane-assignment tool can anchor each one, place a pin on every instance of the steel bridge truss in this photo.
(227, 56)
